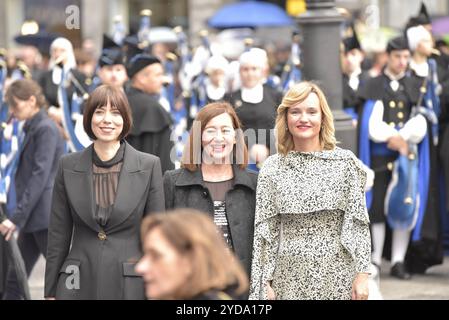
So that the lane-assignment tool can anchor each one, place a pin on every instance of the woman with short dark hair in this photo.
(100, 197)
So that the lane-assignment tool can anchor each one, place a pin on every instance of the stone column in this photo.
(320, 26)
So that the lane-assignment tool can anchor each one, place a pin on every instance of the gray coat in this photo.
(102, 260)
(186, 189)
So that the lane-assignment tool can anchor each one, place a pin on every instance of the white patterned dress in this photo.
(311, 232)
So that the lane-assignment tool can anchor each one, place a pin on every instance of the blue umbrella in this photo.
(250, 14)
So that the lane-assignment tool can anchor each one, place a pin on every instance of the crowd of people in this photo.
(166, 175)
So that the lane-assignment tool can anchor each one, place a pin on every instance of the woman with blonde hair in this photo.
(311, 237)
(186, 258)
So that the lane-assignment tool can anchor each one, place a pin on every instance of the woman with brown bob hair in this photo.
(100, 197)
(185, 258)
(213, 177)
(314, 192)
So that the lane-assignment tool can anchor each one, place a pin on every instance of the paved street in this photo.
(434, 285)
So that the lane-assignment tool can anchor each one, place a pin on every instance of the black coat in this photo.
(151, 128)
(105, 258)
(186, 189)
(50, 89)
(257, 116)
(41, 150)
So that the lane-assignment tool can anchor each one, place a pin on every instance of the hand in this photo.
(397, 143)
(270, 292)
(360, 287)
(7, 229)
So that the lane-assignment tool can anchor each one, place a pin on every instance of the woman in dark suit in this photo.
(214, 179)
(100, 197)
(40, 152)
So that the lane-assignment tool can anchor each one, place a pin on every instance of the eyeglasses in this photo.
(211, 132)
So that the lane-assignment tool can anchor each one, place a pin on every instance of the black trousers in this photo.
(381, 181)
(31, 245)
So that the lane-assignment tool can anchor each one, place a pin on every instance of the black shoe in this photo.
(399, 271)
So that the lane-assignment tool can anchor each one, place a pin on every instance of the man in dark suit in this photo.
(40, 151)
(152, 123)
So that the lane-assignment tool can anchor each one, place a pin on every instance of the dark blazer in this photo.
(105, 258)
(42, 148)
(186, 189)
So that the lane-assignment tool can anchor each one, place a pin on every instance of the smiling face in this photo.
(218, 139)
(163, 268)
(107, 123)
(304, 120)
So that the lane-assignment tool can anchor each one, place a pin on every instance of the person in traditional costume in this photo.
(111, 65)
(151, 131)
(426, 244)
(256, 106)
(353, 75)
(387, 129)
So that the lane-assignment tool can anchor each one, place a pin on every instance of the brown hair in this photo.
(23, 90)
(295, 95)
(100, 97)
(192, 154)
(194, 234)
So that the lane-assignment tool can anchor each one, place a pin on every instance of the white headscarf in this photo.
(254, 57)
(415, 35)
(70, 61)
(216, 62)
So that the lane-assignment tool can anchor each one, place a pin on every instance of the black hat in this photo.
(111, 54)
(138, 62)
(41, 40)
(351, 42)
(423, 15)
(422, 18)
(398, 43)
(133, 46)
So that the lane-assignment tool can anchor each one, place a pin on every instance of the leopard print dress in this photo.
(311, 226)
